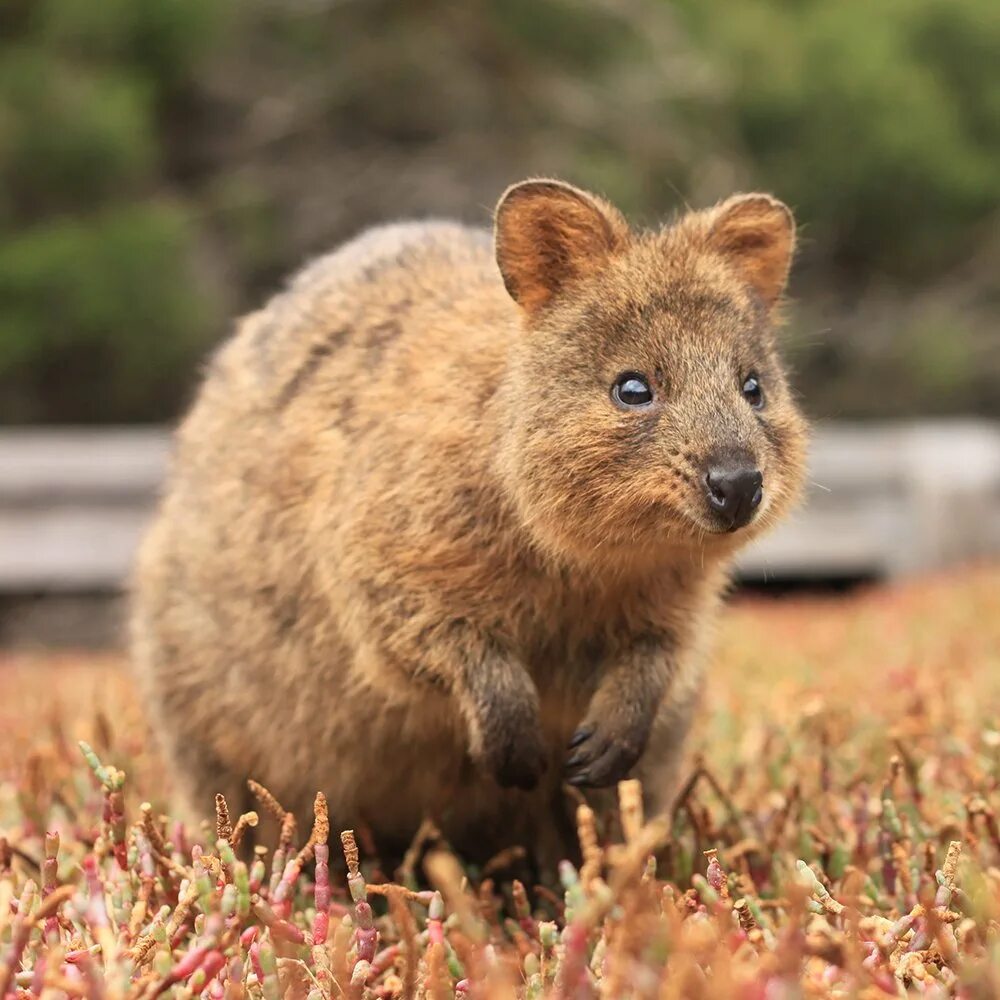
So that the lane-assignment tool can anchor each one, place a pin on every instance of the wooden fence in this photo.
(883, 500)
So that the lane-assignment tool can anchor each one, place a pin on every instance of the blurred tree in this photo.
(164, 163)
(103, 304)
(881, 124)
(99, 320)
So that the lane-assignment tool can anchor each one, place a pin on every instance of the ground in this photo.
(837, 836)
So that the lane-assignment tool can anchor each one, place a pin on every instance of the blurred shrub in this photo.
(88, 306)
(103, 306)
(163, 163)
(69, 138)
(881, 124)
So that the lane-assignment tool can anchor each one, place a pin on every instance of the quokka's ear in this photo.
(548, 235)
(756, 234)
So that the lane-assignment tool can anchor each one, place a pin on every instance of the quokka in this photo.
(449, 521)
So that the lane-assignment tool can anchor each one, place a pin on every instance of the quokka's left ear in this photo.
(756, 234)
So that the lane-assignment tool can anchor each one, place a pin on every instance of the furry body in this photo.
(408, 546)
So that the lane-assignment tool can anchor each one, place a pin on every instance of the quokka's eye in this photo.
(631, 390)
(752, 392)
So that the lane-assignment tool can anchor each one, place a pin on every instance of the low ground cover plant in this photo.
(835, 836)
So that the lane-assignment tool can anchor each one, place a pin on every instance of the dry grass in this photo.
(837, 838)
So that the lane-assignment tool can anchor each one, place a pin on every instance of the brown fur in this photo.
(410, 546)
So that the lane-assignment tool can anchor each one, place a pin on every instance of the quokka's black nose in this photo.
(734, 487)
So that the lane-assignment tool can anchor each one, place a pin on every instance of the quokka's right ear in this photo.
(549, 235)
(756, 234)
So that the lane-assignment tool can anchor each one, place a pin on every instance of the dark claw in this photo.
(518, 775)
(590, 748)
(521, 764)
(526, 781)
(600, 766)
(523, 774)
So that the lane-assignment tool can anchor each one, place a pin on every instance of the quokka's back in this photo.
(448, 522)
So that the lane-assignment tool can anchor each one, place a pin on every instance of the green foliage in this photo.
(70, 136)
(163, 40)
(110, 301)
(880, 123)
(163, 162)
(102, 313)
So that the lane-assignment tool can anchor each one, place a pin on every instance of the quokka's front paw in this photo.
(518, 759)
(603, 751)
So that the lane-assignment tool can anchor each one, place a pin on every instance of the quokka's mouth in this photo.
(704, 521)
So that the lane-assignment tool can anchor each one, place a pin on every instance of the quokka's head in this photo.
(650, 407)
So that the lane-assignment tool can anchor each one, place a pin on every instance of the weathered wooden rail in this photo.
(884, 500)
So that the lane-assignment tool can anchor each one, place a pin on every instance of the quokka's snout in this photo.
(734, 487)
